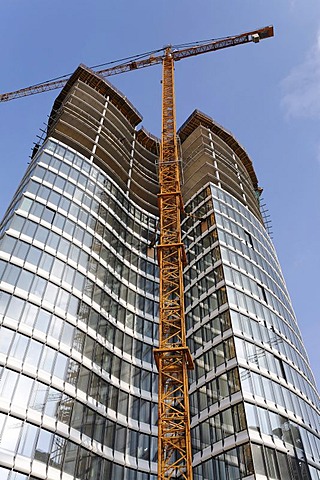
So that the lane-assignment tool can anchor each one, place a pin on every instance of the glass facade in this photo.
(254, 402)
(79, 295)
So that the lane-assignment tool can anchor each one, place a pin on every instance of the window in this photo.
(204, 225)
(48, 214)
(27, 441)
(258, 460)
(43, 447)
(7, 384)
(11, 274)
(33, 353)
(248, 239)
(262, 293)
(11, 434)
(7, 244)
(26, 204)
(22, 391)
(25, 280)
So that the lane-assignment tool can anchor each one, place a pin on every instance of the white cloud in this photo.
(302, 86)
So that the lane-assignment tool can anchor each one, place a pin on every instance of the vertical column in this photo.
(96, 140)
(215, 164)
(131, 162)
(173, 357)
(239, 178)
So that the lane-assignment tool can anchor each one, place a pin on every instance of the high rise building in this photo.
(79, 306)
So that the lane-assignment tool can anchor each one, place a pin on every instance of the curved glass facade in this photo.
(79, 295)
(254, 402)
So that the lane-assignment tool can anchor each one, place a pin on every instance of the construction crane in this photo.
(173, 357)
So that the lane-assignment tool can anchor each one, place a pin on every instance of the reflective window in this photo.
(11, 434)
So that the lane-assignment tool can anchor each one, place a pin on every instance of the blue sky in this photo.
(267, 95)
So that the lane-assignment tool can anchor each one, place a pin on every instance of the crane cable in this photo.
(120, 60)
(131, 58)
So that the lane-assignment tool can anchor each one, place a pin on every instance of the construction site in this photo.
(148, 333)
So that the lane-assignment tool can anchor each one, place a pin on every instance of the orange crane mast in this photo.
(173, 357)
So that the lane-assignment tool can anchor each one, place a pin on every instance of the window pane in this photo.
(7, 384)
(23, 390)
(33, 353)
(19, 346)
(11, 434)
(258, 460)
(6, 337)
(43, 446)
(27, 441)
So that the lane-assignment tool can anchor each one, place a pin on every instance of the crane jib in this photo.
(138, 62)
